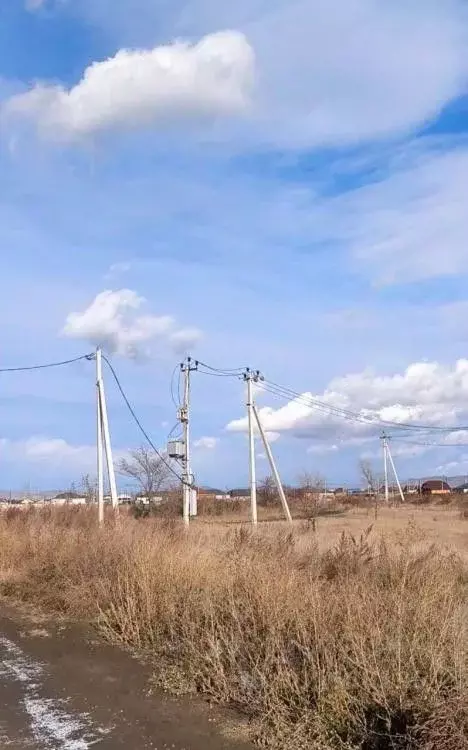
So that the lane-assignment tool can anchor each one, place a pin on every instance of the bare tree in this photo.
(370, 479)
(149, 471)
(267, 491)
(312, 487)
(88, 488)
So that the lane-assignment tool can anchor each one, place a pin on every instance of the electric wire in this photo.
(220, 374)
(428, 445)
(229, 371)
(177, 405)
(29, 368)
(139, 424)
(288, 393)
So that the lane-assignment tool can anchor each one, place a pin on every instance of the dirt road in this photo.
(63, 689)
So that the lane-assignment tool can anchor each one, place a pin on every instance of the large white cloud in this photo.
(143, 87)
(114, 320)
(426, 393)
(328, 72)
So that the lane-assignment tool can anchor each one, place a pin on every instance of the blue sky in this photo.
(285, 181)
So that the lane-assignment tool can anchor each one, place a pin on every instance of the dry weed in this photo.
(363, 646)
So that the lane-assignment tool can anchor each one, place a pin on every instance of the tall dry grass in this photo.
(362, 646)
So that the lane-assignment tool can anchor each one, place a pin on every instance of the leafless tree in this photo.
(88, 488)
(368, 474)
(147, 469)
(312, 487)
(267, 491)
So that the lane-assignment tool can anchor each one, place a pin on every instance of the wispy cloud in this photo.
(113, 320)
(206, 443)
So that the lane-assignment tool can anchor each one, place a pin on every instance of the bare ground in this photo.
(62, 688)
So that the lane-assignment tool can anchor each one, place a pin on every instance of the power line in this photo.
(29, 368)
(288, 393)
(139, 424)
(227, 371)
(220, 374)
(176, 404)
(429, 445)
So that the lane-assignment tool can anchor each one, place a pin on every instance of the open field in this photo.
(325, 640)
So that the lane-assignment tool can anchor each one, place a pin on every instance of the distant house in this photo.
(436, 487)
(211, 493)
(124, 498)
(239, 494)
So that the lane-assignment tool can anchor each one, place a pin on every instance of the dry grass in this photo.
(354, 643)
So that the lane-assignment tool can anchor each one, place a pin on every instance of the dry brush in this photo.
(362, 646)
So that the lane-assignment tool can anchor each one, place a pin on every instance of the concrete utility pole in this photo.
(103, 434)
(389, 458)
(252, 377)
(385, 455)
(188, 491)
(100, 463)
(273, 466)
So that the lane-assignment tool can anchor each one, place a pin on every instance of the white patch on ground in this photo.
(54, 728)
(51, 725)
(17, 665)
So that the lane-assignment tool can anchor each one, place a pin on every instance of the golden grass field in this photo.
(350, 637)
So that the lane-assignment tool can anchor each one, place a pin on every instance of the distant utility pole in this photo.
(389, 458)
(189, 492)
(250, 377)
(103, 435)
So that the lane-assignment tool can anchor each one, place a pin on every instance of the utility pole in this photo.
(395, 473)
(252, 377)
(389, 458)
(188, 491)
(100, 465)
(103, 434)
(385, 457)
(273, 466)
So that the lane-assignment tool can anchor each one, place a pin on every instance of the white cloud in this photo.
(328, 72)
(453, 467)
(406, 223)
(413, 224)
(139, 88)
(427, 393)
(113, 320)
(206, 443)
(53, 453)
(325, 73)
(320, 450)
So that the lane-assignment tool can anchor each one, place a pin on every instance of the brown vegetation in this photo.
(360, 645)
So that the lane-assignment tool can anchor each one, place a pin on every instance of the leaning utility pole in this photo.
(103, 434)
(251, 377)
(188, 491)
(273, 466)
